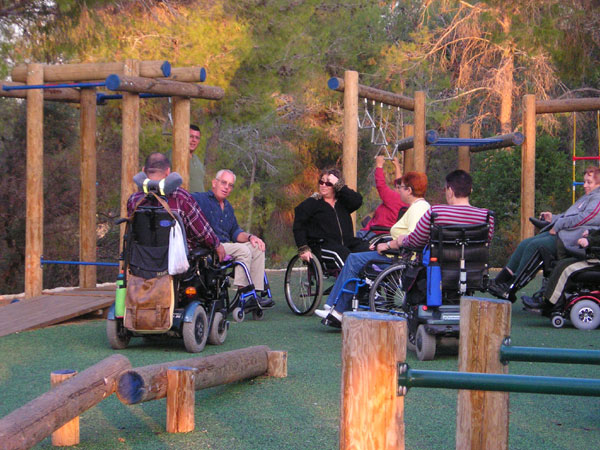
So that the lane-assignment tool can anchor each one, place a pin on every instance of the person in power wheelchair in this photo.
(192, 304)
(571, 286)
(412, 187)
(566, 228)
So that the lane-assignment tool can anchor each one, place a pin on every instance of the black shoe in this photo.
(332, 321)
(501, 290)
(266, 302)
(532, 302)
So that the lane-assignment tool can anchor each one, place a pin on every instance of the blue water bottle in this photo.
(434, 283)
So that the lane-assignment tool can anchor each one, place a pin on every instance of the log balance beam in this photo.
(92, 71)
(378, 95)
(132, 84)
(147, 383)
(31, 423)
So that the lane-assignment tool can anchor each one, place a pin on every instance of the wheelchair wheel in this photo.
(425, 344)
(218, 330)
(558, 321)
(303, 285)
(387, 293)
(585, 315)
(118, 336)
(258, 314)
(195, 333)
(238, 314)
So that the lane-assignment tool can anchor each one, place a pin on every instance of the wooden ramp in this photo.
(52, 308)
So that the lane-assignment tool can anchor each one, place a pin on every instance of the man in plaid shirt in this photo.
(198, 231)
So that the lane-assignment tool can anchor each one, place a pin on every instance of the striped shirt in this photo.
(197, 229)
(446, 215)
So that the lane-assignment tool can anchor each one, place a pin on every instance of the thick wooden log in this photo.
(147, 383)
(34, 229)
(68, 95)
(464, 157)
(528, 167)
(567, 105)
(181, 139)
(389, 98)
(482, 416)
(31, 423)
(277, 364)
(68, 434)
(372, 414)
(163, 87)
(180, 399)
(87, 193)
(188, 74)
(350, 139)
(92, 71)
(508, 140)
(420, 131)
(130, 149)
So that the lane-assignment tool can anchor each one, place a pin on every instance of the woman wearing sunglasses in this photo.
(325, 215)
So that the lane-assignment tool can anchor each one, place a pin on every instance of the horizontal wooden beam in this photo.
(92, 71)
(165, 87)
(508, 140)
(567, 105)
(69, 95)
(188, 74)
(147, 383)
(389, 98)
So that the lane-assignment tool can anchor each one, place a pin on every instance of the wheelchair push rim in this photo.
(303, 285)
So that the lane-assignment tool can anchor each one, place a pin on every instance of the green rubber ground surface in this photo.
(298, 412)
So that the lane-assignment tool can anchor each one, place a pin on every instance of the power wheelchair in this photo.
(200, 304)
(408, 286)
(579, 300)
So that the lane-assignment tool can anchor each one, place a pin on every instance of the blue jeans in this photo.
(352, 267)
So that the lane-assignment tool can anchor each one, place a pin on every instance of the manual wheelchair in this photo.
(405, 288)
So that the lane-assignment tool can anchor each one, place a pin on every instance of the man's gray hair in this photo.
(222, 171)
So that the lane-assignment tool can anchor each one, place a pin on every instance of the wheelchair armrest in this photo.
(120, 220)
(380, 228)
(200, 252)
(539, 223)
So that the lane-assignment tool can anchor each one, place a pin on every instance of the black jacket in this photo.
(316, 219)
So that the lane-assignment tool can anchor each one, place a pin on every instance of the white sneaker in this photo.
(321, 313)
(336, 314)
(326, 307)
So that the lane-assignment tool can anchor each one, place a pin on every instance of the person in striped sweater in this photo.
(458, 211)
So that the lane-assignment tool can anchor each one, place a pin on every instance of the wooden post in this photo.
(528, 167)
(31, 423)
(131, 140)
(147, 383)
(420, 144)
(409, 155)
(277, 361)
(180, 399)
(372, 414)
(181, 138)
(34, 228)
(350, 145)
(87, 194)
(464, 153)
(68, 434)
(482, 416)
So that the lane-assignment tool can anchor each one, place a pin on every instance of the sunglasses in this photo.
(326, 183)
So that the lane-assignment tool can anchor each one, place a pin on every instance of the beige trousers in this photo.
(254, 259)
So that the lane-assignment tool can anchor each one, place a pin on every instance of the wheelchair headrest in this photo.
(165, 186)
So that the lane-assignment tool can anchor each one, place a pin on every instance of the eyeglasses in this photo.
(401, 186)
(326, 183)
(225, 184)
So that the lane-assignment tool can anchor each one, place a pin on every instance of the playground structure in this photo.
(375, 378)
(531, 108)
(133, 79)
(413, 146)
(57, 411)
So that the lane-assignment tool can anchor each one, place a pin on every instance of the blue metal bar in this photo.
(79, 263)
(52, 86)
(577, 183)
(551, 355)
(101, 97)
(456, 142)
(408, 378)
